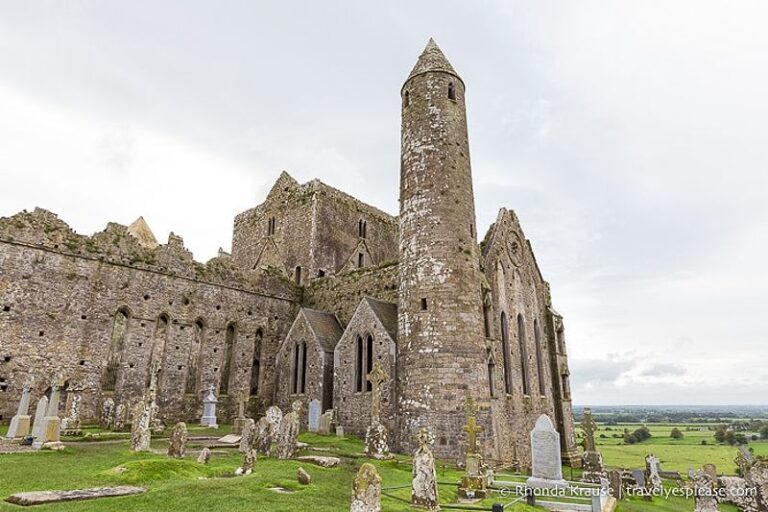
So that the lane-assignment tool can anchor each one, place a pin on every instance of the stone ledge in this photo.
(42, 497)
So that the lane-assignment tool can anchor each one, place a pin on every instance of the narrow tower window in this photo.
(271, 226)
(423, 303)
(491, 377)
(487, 320)
(407, 99)
(298, 276)
(360, 260)
(451, 91)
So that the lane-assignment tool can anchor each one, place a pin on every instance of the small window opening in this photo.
(360, 260)
(7, 359)
(423, 303)
(407, 99)
(6, 309)
(298, 275)
(321, 273)
(451, 91)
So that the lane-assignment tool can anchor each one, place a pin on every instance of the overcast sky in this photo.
(630, 137)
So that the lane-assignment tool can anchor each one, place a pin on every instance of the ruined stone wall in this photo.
(343, 293)
(319, 371)
(339, 243)
(353, 406)
(316, 227)
(253, 247)
(520, 314)
(60, 293)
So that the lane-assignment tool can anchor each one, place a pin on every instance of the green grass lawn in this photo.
(675, 455)
(176, 485)
(185, 485)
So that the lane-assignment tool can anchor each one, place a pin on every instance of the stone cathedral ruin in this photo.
(320, 287)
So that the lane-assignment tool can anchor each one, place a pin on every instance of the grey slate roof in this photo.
(386, 312)
(326, 327)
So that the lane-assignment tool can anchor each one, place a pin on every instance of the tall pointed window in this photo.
(299, 378)
(523, 354)
(505, 353)
(487, 320)
(491, 375)
(368, 362)
(193, 361)
(256, 367)
(359, 378)
(228, 359)
(116, 345)
(157, 357)
(363, 363)
(539, 357)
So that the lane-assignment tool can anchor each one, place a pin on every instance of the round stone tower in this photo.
(441, 343)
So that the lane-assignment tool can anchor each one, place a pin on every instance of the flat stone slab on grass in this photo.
(42, 497)
(230, 439)
(326, 462)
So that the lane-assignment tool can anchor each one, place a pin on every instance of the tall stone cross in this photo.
(589, 426)
(242, 401)
(472, 428)
(376, 377)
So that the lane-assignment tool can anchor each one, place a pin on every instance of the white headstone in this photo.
(547, 468)
(209, 410)
(314, 415)
(37, 427)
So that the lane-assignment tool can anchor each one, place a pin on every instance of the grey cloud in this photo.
(634, 158)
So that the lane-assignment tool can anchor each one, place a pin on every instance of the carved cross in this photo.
(425, 438)
(376, 377)
(472, 428)
(589, 426)
(57, 383)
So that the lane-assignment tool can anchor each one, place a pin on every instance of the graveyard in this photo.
(293, 468)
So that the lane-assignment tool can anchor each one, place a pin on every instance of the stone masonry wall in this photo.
(354, 408)
(343, 293)
(60, 293)
(316, 228)
(319, 376)
(517, 289)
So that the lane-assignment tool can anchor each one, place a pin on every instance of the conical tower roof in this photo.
(432, 59)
